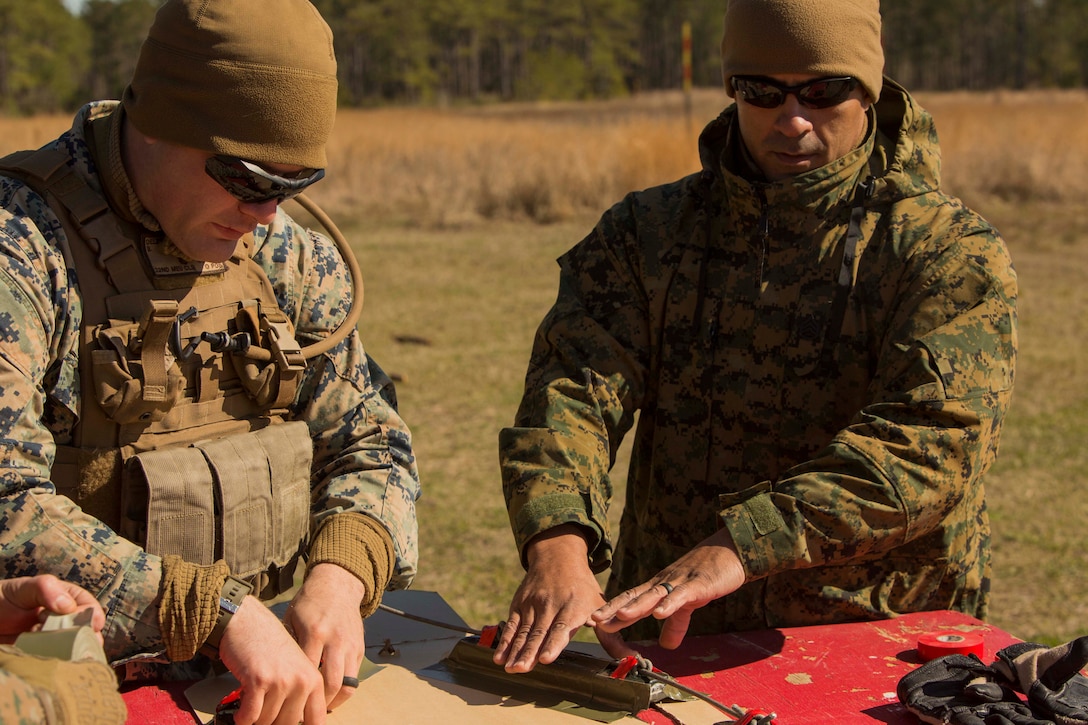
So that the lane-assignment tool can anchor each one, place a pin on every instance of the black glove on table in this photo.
(1050, 677)
(961, 690)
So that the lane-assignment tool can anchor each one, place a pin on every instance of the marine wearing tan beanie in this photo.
(248, 78)
(804, 37)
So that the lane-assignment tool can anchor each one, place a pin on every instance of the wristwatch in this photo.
(230, 599)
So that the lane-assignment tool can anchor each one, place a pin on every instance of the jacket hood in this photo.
(905, 160)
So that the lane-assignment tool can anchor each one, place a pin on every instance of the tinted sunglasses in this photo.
(248, 182)
(820, 93)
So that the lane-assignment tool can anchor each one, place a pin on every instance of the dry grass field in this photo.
(457, 216)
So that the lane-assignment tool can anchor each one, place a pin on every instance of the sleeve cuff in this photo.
(361, 545)
(547, 512)
(756, 526)
(190, 605)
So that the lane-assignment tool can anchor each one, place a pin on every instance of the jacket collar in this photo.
(727, 162)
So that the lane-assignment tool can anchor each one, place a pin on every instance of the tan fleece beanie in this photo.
(804, 37)
(248, 78)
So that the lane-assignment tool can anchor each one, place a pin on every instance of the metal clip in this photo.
(226, 342)
(182, 354)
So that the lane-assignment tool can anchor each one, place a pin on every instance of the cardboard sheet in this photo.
(398, 695)
(393, 686)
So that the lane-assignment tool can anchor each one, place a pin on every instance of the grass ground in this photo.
(1037, 486)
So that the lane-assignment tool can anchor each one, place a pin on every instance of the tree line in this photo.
(462, 51)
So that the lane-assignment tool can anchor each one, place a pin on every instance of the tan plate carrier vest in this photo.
(179, 447)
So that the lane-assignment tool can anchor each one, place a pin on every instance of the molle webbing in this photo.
(192, 513)
(47, 171)
(88, 475)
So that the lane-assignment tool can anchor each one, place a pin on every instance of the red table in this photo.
(158, 705)
(834, 674)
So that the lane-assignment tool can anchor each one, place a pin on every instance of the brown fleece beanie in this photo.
(248, 78)
(804, 37)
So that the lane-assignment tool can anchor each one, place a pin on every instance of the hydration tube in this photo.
(356, 309)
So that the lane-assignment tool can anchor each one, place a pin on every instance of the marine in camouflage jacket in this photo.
(820, 364)
(363, 459)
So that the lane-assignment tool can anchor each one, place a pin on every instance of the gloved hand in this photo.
(1050, 677)
(960, 690)
(72, 693)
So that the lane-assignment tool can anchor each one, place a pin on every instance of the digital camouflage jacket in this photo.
(362, 453)
(821, 364)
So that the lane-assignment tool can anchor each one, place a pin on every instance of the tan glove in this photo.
(72, 693)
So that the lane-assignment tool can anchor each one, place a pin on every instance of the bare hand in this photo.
(709, 571)
(280, 685)
(25, 602)
(554, 600)
(325, 620)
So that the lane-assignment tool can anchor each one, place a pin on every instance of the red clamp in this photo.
(624, 667)
(227, 708)
(488, 634)
(751, 716)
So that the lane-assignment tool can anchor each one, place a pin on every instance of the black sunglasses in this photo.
(820, 93)
(248, 182)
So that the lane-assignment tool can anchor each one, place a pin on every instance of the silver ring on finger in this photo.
(667, 587)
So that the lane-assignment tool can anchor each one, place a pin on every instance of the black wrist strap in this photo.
(231, 597)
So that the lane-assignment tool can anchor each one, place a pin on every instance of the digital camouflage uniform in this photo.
(832, 396)
(362, 461)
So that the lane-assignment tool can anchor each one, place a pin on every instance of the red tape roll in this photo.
(939, 644)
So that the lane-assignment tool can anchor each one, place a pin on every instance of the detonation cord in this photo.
(434, 623)
(742, 716)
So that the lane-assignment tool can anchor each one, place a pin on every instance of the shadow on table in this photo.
(890, 713)
(718, 652)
